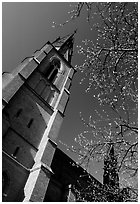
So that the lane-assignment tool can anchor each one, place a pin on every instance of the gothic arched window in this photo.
(52, 71)
(53, 75)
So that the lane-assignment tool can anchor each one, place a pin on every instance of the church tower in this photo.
(35, 96)
(111, 177)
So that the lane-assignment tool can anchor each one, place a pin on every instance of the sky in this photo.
(26, 27)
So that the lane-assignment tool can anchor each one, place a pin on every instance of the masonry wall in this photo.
(33, 111)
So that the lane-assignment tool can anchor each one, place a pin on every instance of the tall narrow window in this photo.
(18, 112)
(30, 123)
(52, 71)
(49, 71)
(16, 152)
(53, 75)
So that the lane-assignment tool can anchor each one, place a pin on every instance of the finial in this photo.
(75, 30)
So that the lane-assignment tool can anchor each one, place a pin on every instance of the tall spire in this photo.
(65, 44)
(110, 177)
(62, 40)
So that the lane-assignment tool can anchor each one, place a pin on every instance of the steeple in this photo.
(61, 41)
(110, 177)
(65, 44)
(35, 96)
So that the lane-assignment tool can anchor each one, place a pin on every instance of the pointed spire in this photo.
(111, 177)
(75, 31)
(65, 44)
(62, 40)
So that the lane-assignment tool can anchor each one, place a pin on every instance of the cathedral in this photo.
(34, 99)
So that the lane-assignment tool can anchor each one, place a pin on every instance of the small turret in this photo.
(110, 177)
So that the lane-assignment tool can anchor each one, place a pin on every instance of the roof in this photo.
(61, 40)
(63, 164)
(6, 78)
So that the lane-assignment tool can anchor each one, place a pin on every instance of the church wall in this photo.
(63, 101)
(5, 125)
(31, 121)
(68, 84)
(18, 148)
(17, 176)
(43, 88)
(48, 153)
(26, 67)
(33, 111)
(12, 87)
(71, 73)
(36, 185)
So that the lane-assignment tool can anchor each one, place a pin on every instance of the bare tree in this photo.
(111, 68)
